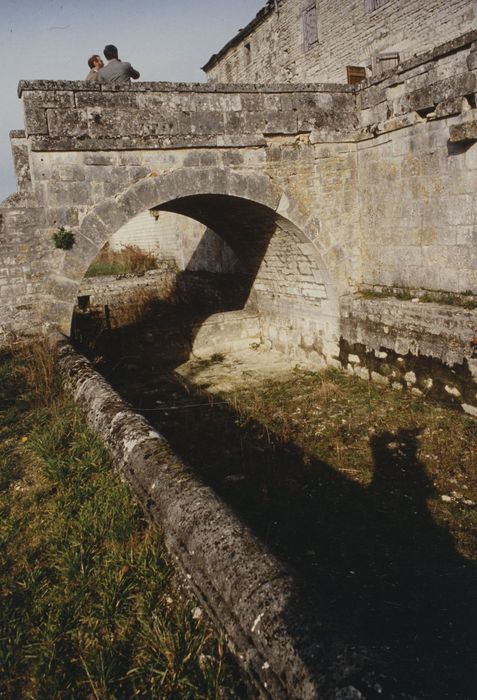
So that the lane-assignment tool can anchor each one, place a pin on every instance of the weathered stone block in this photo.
(202, 123)
(455, 105)
(467, 131)
(60, 194)
(36, 121)
(110, 100)
(67, 123)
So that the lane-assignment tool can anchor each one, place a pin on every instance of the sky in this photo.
(53, 39)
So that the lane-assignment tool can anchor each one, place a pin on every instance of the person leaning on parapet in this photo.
(95, 63)
(116, 71)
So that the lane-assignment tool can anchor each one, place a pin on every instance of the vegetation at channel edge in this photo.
(128, 260)
(89, 607)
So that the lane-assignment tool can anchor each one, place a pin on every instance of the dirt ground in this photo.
(229, 371)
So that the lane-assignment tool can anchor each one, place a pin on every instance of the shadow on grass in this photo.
(375, 564)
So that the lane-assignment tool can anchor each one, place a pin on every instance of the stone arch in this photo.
(171, 191)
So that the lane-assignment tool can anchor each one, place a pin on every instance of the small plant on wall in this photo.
(63, 239)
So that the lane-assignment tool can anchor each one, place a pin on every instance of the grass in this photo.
(130, 259)
(89, 607)
(335, 418)
(465, 300)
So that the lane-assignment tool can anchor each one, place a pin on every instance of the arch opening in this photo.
(244, 275)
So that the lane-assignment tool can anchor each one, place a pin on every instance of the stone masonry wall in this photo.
(417, 174)
(273, 47)
(425, 348)
(234, 136)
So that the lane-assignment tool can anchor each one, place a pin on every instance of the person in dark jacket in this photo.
(115, 71)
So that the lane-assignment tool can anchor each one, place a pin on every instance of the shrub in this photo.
(64, 239)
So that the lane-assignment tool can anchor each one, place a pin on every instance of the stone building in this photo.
(336, 41)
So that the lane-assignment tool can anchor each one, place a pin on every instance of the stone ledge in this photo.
(444, 330)
(465, 131)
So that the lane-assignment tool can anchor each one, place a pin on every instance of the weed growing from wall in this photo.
(63, 239)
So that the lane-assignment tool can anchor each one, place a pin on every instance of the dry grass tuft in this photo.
(130, 259)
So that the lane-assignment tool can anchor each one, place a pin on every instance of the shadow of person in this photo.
(416, 595)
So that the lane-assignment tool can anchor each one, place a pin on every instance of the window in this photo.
(355, 74)
(310, 27)
(247, 54)
(384, 62)
(375, 4)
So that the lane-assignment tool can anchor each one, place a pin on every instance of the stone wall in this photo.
(78, 116)
(417, 181)
(425, 348)
(274, 47)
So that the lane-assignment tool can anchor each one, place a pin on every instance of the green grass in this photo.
(465, 300)
(88, 604)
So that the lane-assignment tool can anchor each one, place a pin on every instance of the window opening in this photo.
(384, 62)
(372, 5)
(355, 74)
(310, 27)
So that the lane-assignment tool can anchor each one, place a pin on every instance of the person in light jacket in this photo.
(95, 64)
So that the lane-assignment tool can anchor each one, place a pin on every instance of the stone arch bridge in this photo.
(321, 191)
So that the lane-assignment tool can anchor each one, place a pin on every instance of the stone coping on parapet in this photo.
(457, 44)
(83, 86)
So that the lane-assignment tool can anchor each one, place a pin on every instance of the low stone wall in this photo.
(117, 289)
(228, 330)
(66, 116)
(284, 650)
(424, 347)
(225, 332)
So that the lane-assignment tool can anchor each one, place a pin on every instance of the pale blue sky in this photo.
(52, 39)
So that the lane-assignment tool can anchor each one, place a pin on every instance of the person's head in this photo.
(95, 62)
(110, 51)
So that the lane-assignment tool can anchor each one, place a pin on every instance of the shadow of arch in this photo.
(226, 201)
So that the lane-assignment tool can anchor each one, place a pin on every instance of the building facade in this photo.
(303, 41)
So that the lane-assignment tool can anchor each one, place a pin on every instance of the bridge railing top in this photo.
(83, 86)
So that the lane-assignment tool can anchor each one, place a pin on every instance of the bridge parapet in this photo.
(80, 116)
